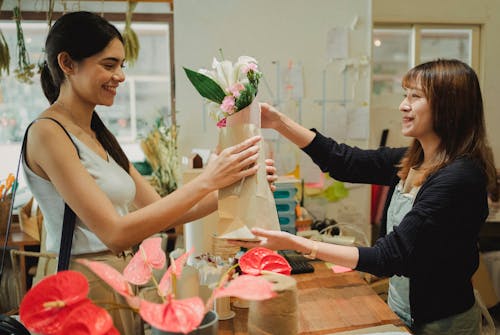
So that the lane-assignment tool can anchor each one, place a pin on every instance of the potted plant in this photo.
(59, 305)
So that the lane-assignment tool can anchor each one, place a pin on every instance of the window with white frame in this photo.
(144, 96)
(396, 49)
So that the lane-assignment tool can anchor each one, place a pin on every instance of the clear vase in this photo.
(209, 326)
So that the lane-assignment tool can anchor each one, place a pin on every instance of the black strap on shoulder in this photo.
(69, 215)
(69, 219)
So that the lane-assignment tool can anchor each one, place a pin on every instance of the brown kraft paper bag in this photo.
(248, 203)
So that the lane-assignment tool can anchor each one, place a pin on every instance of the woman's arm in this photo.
(272, 118)
(146, 195)
(51, 151)
(280, 240)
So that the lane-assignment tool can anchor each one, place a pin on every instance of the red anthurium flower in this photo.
(247, 287)
(276, 263)
(45, 307)
(175, 268)
(181, 316)
(150, 255)
(250, 261)
(259, 259)
(88, 319)
(110, 275)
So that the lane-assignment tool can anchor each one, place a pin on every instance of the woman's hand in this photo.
(271, 239)
(271, 174)
(270, 116)
(232, 164)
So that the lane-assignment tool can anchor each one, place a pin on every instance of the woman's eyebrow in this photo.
(114, 59)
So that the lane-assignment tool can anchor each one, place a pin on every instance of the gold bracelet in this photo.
(314, 251)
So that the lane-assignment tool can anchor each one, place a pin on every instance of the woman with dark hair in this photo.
(72, 158)
(436, 205)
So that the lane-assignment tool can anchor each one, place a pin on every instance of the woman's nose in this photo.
(404, 106)
(119, 75)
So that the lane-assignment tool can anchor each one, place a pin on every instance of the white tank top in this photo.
(115, 182)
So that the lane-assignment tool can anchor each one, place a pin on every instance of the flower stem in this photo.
(222, 281)
(114, 305)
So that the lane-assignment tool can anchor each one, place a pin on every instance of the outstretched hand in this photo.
(271, 239)
(232, 164)
(269, 115)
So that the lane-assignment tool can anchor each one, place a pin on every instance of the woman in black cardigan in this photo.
(437, 204)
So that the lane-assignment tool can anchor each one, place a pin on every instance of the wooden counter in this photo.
(328, 303)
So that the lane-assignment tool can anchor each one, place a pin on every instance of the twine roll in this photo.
(279, 315)
(222, 248)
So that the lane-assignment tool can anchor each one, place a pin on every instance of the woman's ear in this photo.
(65, 62)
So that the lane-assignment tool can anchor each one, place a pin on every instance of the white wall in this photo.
(278, 30)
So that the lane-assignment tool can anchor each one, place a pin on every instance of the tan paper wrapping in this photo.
(248, 203)
(278, 315)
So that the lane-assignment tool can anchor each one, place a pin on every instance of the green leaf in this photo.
(246, 97)
(206, 86)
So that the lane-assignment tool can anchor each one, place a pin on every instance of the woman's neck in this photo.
(80, 117)
(430, 148)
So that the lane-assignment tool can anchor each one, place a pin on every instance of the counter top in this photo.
(328, 303)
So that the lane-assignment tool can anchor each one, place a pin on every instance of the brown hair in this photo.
(454, 95)
(80, 34)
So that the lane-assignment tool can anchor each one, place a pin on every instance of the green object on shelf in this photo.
(144, 168)
(336, 191)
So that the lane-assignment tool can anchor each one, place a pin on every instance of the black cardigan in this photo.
(435, 245)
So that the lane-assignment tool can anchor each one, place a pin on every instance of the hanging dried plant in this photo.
(50, 12)
(4, 52)
(130, 37)
(25, 70)
(4, 55)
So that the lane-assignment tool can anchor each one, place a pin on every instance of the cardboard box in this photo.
(31, 219)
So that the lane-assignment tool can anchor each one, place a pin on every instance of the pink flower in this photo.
(236, 89)
(222, 123)
(149, 256)
(249, 67)
(59, 304)
(180, 316)
(110, 275)
(164, 287)
(247, 287)
(228, 104)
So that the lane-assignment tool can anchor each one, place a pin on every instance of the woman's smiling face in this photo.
(98, 77)
(417, 121)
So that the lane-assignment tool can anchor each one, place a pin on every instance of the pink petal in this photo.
(247, 287)
(110, 275)
(137, 271)
(155, 256)
(176, 267)
(165, 283)
(222, 123)
(150, 255)
(180, 316)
